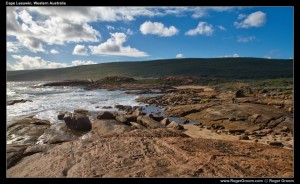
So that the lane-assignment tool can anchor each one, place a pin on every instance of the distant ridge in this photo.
(235, 68)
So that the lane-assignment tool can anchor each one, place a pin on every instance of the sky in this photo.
(56, 37)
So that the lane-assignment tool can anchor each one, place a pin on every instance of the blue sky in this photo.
(54, 37)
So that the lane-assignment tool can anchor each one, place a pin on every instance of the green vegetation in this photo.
(221, 69)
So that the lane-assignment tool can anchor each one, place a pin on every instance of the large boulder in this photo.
(78, 122)
(122, 119)
(14, 153)
(105, 115)
(149, 122)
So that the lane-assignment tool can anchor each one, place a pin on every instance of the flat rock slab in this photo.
(148, 153)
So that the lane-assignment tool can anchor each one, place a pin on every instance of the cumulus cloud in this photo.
(179, 55)
(245, 39)
(33, 33)
(157, 28)
(256, 19)
(233, 55)
(79, 62)
(129, 32)
(114, 47)
(53, 51)
(222, 28)
(241, 16)
(28, 63)
(80, 50)
(203, 28)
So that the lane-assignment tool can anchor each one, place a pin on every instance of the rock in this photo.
(78, 122)
(122, 119)
(232, 131)
(82, 122)
(243, 137)
(264, 90)
(232, 119)
(175, 125)
(137, 126)
(82, 111)
(138, 113)
(149, 122)
(102, 127)
(57, 139)
(14, 153)
(105, 115)
(239, 93)
(126, 108)
(284, 129)
(157, 118)
(131, 118)
(291, 109)
(25, 132)
(61, 115)
(165, 121)
(12, 102)
(40, 122)
(276, 143)
(30, 150)
(186, 122)
(274, 123)
(106, 107)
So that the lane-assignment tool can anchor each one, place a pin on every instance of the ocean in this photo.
(47, 102)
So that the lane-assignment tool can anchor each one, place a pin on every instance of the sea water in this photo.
(47, 102)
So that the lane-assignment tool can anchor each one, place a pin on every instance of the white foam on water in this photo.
(48, 101)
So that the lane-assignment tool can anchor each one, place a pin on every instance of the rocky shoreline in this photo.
(246, 134)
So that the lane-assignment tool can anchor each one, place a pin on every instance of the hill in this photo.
(229, 68)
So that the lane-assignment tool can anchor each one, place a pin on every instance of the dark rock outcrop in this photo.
(105, 115)
(12, 102)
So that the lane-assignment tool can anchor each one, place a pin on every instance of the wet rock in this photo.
(12, 102)
(130, 118)
(78, 122)
(40, 122)
(276, 143)
(82, 111)
(105, 115)
(175, 125)
(186, 122)
(106, 107)
(61, 115)
(165, 121)
(25, 132)
(14, 153)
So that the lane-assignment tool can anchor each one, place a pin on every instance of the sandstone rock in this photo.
(105, 115)
(165, 121)
(175, 125)
(122, 119)
(149, 122)
(14, 154)
(243, 137)
(130, 118)
(102, 127)
(284, 129)
(137, 125)
(30, 150)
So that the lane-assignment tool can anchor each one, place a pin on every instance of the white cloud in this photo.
(245, 39)
(53, 51)
(28, 63)
(256, 19)
(233, 55)
(241, 16)
(108, 27)
(222, 28)
(114, 47)
(203, 28)
(33, 33)
(179, 55)
(200, 13)
(157, 28)
(268, 57)
(129, 32)
(79, 62)
(13, 46)
(80, 50)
